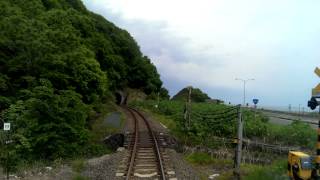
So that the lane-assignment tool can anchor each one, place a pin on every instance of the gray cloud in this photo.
(268, 46)
(168, 51)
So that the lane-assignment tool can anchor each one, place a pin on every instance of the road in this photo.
(285, 119)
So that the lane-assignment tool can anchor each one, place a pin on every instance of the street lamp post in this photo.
(238, 151)
(244, 88)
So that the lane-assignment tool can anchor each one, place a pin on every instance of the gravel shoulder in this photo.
(182, 169)
(61, 172)
(104, 167)
(99, 168)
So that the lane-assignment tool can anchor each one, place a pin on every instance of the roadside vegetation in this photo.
(277, 170)
(256, 125)
(201, 161)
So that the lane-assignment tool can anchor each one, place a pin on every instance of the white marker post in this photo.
(7, 127)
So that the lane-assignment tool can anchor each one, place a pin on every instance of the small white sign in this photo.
(6, 126)
(9, 142)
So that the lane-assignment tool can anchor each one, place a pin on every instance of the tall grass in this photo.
(276, 171)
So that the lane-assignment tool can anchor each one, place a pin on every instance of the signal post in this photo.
(313, 103)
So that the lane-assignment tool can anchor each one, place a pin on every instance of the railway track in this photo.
(146, 158)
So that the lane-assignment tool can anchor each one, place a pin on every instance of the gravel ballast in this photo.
(182, 169)
(104, 167)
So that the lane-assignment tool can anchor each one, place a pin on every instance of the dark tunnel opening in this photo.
(118, 98)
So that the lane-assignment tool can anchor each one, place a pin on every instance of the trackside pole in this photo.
(189, 106)
(239, 145)
(318, 150)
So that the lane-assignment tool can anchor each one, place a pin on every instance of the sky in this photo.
(209, 43)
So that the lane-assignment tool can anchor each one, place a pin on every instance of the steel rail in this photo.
(156, 145)
(134, 151)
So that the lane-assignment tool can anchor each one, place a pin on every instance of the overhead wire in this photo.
(216, 113)
(224, 111)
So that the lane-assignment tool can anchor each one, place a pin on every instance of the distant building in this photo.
(215, 101)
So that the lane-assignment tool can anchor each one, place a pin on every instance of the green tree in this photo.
(196, 95)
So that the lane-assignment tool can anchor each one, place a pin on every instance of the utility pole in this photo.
(189, 106)
(7, 159)
(239, 144)
(240, 131)
(187, 109)
(318, 149)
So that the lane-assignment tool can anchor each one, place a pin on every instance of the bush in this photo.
(42, 122)
(200, 158)
(297, 133)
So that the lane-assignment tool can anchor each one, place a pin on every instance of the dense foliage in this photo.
(196, 95)
(161, 94)
(58, 62)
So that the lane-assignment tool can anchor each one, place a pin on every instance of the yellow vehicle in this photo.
(299, 165)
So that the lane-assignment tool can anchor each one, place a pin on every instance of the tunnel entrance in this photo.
(118, 98)
(121, 98)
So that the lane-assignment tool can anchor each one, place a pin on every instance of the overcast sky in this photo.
(209, 43)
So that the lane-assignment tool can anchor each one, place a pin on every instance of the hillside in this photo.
(58, 62)
(196, 95)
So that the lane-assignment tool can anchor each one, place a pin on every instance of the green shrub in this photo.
(78, 165)
(276, 171)
(297, 133)
(79, 177)
(200, 158)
